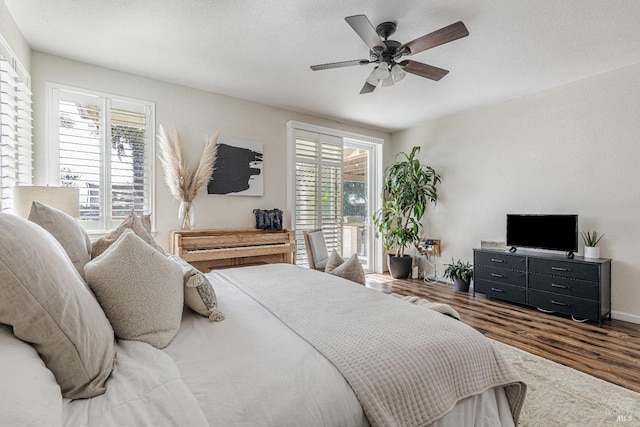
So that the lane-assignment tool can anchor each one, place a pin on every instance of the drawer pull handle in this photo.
(555, 285)
(496, 275)
(560, 269)
(496, 260)
(497, 290)
(558, 303)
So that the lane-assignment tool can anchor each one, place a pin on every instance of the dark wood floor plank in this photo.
(611, 353)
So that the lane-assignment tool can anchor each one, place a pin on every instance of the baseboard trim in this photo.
(631, 318)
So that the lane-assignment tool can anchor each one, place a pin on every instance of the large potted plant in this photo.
(409, 187)
(461, 274)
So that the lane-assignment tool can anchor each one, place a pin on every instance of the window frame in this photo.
(107, 102)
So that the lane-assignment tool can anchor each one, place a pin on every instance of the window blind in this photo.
(15, 130)
(105, 149)
(318, 189)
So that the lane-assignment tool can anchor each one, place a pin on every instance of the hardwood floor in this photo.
(611, 353)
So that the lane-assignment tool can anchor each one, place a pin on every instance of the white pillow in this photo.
(139, 289)
(29, 394)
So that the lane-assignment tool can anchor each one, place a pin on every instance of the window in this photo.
(15, 127)
(318, 189)
(332, 185)
(103, 145)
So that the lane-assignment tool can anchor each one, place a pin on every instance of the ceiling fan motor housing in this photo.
(390, 56)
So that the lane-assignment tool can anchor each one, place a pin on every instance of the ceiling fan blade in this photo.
(367, 88)
(362, 26)
(443, 35)
(339, 64)
(423, 70)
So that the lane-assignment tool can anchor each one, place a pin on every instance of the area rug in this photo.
(561, 396)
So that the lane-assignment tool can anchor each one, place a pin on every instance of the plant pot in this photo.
(592, 252)
(460, 285)
(399, 266)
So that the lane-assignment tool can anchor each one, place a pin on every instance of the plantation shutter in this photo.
(105, 150)
(15, 130)
(318, 189)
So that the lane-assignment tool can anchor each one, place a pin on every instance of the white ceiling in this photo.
(261, 50)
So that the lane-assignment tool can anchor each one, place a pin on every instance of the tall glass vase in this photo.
(186, 215)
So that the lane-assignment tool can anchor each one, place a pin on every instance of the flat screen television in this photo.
(552, 232)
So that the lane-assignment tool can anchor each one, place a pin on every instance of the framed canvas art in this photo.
(239, 168)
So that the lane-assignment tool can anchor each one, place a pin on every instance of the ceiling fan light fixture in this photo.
(373, 79)
(382, 72)
(388, 81)
(398, 73)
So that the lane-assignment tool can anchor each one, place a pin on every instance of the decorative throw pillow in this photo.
(350, 269)
(199, 295)
(49, 306)
(139, 289)
(146, 222)
(67, 231)
(132, 222)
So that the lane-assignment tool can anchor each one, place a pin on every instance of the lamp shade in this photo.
(65, 199)
(398, 73)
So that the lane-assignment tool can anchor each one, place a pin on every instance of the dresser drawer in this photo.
(564, 286)
(501, 290)
(512, 277)
(579, 308)
(573, 270)
(502, 260)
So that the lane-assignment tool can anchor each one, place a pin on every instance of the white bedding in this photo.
(145, 389)
(252, 370)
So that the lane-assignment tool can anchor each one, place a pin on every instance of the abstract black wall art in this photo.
(239, 168)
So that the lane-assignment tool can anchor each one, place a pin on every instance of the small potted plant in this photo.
(591, 239)
(461, 274)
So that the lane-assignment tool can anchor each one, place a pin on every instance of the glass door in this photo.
(357, 201)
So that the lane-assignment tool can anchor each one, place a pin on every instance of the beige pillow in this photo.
(199, 294)
(139, 289)
(71, 235)
(49, 306)
(350, 269)
(132, 222)
(146, 222)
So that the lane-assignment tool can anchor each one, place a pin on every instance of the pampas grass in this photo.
(184, 183)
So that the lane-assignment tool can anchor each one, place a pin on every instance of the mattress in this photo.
(252, 370)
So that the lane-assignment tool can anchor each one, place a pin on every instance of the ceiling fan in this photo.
(387, 54)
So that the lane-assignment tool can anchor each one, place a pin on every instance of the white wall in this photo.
(571, 149)
(13, 36)
(196, 114)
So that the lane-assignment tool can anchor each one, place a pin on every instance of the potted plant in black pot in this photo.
(409, 187)
(461, 274)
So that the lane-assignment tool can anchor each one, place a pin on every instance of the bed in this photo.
(274, 377)
(297, 348)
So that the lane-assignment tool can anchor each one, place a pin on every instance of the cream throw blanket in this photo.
(407, 366)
